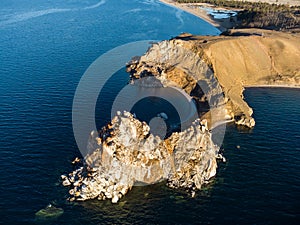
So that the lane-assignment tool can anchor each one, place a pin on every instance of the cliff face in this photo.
(244, 58)
(176, 63)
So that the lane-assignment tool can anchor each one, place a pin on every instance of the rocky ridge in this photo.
(126, 153)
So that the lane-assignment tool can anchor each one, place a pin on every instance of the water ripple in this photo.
(34, 14)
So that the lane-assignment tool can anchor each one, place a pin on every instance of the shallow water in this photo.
(45, 47)
(219, 14)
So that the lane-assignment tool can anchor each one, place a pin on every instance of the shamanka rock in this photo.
(125, 153)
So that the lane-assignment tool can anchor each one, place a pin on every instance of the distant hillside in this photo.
(257, 14)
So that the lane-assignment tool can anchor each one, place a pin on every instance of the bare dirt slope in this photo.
(262, 58)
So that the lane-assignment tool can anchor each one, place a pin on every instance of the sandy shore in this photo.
(197, 11)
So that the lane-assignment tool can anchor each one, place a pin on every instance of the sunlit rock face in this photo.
(175, 63)
(125, 153)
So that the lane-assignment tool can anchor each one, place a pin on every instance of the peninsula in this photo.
(125, 152)
(239, 59)
(213, 71)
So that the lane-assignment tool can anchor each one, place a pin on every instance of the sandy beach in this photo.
(196, 11)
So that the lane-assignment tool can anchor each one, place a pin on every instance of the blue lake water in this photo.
(45, 47)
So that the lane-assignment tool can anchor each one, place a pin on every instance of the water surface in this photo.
(45, 47)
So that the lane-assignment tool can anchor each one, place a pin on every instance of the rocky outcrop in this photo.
(240, 59)
(125, 153)
(214, 72)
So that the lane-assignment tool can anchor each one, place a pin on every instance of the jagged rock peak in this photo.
(125, 153)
